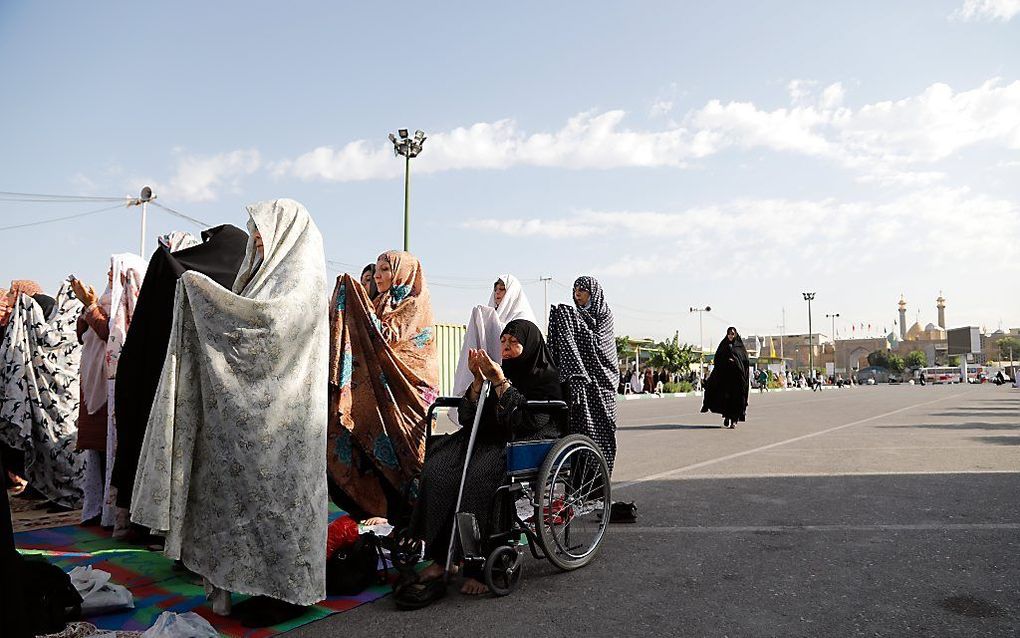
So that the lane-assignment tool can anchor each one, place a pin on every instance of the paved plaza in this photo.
(873, 511)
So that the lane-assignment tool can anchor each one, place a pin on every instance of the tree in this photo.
(888, 360)
(673, 355)
(1009, 348)
(954, 361)
(916, 359)
(879, 359)
(623, 349)
(896, 362)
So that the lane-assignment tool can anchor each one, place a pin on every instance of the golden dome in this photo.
(915, 331)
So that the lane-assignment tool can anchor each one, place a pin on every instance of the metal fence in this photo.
(449, 341)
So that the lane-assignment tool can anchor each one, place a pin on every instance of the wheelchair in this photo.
(564, 491)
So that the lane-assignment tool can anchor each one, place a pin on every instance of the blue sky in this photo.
(731, 155)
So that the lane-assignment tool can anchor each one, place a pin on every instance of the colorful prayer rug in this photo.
(154, 582)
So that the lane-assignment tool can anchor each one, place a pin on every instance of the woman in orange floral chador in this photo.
(384, 374)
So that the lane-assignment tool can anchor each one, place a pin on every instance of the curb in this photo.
(683, 395)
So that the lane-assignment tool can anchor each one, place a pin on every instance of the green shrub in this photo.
(682, 386)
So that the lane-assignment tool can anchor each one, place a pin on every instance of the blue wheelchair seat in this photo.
(525, 457)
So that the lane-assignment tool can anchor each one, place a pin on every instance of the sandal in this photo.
(421, 594)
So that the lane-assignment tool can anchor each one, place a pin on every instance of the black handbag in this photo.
(354, 569)
(50, 598)
(620, 512)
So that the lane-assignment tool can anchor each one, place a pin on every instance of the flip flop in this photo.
(420, 595)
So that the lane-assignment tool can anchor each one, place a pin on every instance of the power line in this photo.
(198, 222)
(10, 196)
(64, 218)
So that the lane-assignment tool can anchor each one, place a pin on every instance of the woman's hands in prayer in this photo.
(484, 368)
(85, 294)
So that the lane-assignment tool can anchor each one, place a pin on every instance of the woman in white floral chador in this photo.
(233, 466)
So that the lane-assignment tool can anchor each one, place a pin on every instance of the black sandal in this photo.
(420, 594)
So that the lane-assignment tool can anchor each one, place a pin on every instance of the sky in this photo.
(730, 154)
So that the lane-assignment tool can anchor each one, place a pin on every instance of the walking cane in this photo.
(463, 477)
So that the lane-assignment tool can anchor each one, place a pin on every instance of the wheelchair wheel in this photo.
(572, 500)
(503, 570)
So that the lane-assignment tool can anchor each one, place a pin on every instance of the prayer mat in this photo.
(155, 583)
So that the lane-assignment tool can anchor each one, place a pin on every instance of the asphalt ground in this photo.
(873, 511)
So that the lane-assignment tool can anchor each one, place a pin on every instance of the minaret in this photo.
(903, 319)
(940, 303)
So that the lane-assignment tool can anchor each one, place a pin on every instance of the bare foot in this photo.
(375, 520)
(472, 587)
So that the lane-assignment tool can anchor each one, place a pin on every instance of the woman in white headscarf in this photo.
(102, 328)
(506, 303)
(233, 464)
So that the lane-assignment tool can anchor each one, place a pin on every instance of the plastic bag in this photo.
(186, 625)
(98, 594)
(341, 534)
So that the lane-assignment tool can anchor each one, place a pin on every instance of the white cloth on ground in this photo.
(99, 595)
(233, 464)
(187, 625)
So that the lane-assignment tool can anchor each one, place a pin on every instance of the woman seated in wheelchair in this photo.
(527, 373)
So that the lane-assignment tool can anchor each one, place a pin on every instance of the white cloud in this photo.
(587, 140)
(887, 142)
(995, 10)
(780, 237)
(535, 228)
(660, 107)
(199, 178)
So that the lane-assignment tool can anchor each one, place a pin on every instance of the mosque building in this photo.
(929, 338)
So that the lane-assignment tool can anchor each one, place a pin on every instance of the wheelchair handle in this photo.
(454, 402)
(544, 406)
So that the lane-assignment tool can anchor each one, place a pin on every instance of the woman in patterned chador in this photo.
(102, 328)
(242, 401)
(383, 376)
(584, 349)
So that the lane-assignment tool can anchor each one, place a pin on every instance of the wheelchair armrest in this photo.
(441, 402)
(546, 406)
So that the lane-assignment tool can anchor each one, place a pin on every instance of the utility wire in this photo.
(10, 196)
(64, 218)
(198, 222)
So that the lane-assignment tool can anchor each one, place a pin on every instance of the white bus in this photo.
(951, 374)
(941, 374)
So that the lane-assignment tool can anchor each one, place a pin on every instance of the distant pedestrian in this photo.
(636, 384)
(763, 381)
(727, 387)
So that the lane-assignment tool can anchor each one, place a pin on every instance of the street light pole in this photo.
(404, 144)
(808, 297)
(545, 280)
(407, 203)
(833, 317)
(701, 332)
(143, 199)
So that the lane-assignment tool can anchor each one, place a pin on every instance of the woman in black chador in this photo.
(726, 388)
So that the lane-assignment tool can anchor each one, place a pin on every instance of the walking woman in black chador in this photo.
(726, 388)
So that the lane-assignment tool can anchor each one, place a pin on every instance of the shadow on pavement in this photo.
(903, 556)
(956, 426)
(998, 440)
(669, 426)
